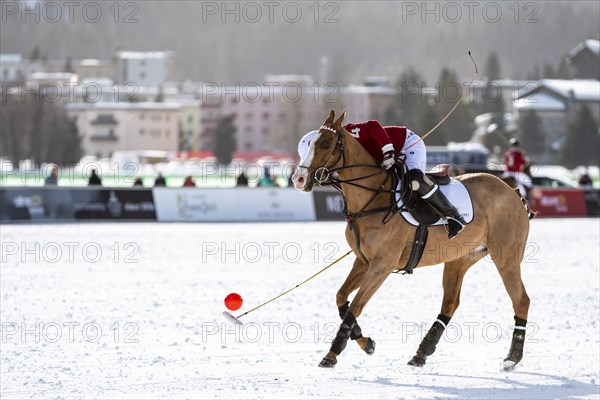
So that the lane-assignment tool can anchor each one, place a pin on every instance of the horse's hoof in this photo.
(416, 361)
(508, 365)
(370, 347)
(327, 363)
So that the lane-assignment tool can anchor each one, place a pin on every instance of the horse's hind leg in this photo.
(454, 273)
(507, 258)
(352, 282)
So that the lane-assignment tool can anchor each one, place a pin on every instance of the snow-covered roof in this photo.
(306, 79)
(539, 101)
(590, 44)
(10, 58)
(144, 54)
(360, 89)
(581, 89)
(105, 105)
(52, 76)
(577, 89)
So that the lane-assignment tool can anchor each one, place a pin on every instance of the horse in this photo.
(500, 228)
(521, 189)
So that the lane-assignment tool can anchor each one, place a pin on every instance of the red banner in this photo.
(558, 202)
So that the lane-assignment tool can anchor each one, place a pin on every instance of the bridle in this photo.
(326, 176)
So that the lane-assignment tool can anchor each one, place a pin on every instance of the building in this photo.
(585, 60)
(269, 117)
(273, 116)
(15, 69)
(190, 124)
(106, 127)
(557, 102)
(144, 68)
(364, 102)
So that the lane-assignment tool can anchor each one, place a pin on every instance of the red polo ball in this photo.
(233, 301)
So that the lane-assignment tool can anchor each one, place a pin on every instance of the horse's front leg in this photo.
(352, 282)
(376, 274)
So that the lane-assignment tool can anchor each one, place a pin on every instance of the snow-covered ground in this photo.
(134, 311)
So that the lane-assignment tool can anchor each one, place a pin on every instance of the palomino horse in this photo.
(500, 228)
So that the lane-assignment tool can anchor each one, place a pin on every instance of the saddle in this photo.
(418, 208)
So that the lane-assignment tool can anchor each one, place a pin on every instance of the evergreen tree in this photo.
(549, 72)
(225, 140)
(409, 100)
(160, 96)
(563, 71)
(39, 130)
(531, 132)
(492, 67)
(428, 117)
(583, 141)
(69, 66)
(36, 54)
(459, 126)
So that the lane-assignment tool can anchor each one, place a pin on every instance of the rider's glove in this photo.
(388, 160)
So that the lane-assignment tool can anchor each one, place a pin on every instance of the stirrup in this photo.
(451, 232)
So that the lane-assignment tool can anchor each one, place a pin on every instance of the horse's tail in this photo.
(530, 212)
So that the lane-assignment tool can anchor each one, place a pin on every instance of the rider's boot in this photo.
(431, 193)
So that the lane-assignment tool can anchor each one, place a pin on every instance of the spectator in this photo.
(94, 179)
(52, 179)
(266, 180)
(138, 182)
(585, 180)
(242, 180)
(189, 182)
(160, 181)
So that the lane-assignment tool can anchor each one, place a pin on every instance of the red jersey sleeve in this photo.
(376, 131)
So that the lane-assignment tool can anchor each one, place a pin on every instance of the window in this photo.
(249, 115)
(141, 132)
(168, 133)
(142, 75)
(190, 119)
(265, 131)
(142, 116)
(266, 115)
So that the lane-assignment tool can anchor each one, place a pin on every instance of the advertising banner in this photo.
(67, 204)
(329, 205)
(559, 202)
(233, 204)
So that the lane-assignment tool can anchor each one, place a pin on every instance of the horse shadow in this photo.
(503, 388)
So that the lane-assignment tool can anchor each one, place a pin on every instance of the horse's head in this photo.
(324, 153)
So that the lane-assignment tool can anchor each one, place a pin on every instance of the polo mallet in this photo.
(236, 320)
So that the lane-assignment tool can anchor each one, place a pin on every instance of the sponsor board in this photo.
(238, 204)
(558, 202)
(67, 204)
(329, 205)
